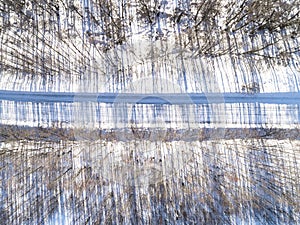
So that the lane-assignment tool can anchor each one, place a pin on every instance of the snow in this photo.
(94, 115)
(82, 179)
(245, 174)
(83, 66)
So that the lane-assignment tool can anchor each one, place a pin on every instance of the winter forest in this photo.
(149, 112)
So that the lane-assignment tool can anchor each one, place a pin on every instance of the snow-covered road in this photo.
(155, 98)
(158, 110)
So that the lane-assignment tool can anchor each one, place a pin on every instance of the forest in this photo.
(200, 122)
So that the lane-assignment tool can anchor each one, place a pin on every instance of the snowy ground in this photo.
(234, 181)
(156, 163)
(225, 111)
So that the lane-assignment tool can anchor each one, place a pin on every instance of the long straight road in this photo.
(152, 98)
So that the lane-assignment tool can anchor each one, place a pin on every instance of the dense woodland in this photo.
(52, 174)
(118, 42)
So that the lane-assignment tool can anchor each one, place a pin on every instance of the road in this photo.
(175, 99)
